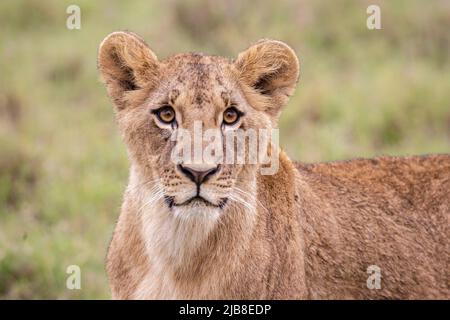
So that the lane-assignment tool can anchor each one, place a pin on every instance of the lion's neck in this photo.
(199, 254)
(184, 246)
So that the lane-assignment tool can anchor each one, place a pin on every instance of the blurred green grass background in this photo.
(63, 167)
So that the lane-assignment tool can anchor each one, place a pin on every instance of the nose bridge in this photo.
(200, 115)
(200, 126)
(205, 142)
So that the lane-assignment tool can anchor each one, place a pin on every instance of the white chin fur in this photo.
(197, 211)
(177, 232)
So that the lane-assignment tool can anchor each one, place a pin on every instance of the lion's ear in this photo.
(271, 68)
(126, 64)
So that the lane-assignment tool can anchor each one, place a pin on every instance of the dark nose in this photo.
(196, 175)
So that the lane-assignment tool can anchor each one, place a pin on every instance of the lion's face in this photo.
(177, 115)
(195, 93)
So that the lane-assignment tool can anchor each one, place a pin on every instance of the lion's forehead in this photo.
(199, 83)
(199, 72)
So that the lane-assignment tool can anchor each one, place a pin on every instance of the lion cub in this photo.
(361, 229)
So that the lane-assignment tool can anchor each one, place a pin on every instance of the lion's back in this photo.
(420, 182)
(392, 212)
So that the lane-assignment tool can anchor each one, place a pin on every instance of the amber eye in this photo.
(166, 114)
(231, 116)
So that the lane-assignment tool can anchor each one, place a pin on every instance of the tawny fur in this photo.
(308, 232)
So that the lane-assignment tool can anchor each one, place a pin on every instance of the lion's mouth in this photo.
(195, 200)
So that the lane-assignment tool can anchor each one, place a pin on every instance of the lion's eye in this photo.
(231, 116)
(166, 114)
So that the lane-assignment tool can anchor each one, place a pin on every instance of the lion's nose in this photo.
(198, 174)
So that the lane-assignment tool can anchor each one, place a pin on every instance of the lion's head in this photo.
(156, 99)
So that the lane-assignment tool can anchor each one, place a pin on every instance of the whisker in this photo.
(142, 184)
(238, 199)
(244, 193)
(155, 197)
